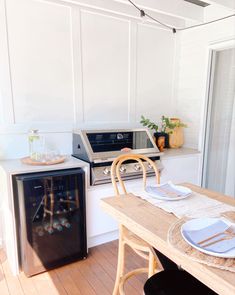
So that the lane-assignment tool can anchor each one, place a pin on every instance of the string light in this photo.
(174, 30)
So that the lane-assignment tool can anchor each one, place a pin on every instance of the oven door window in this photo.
(117, 141)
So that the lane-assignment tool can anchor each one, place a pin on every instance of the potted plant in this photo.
(160, 134)
(169, 134)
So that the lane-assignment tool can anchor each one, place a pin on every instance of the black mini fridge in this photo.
(50, 218)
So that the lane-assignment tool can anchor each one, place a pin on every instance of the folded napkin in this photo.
(167, 190)
(195, 236)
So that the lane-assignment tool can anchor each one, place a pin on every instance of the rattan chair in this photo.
(126, 237)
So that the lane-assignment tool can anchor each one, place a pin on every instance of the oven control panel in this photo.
(101, 175)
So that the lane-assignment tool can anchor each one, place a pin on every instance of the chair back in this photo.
(116, 174)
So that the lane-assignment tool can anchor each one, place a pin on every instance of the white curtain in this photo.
(230, 176)
(219, 168)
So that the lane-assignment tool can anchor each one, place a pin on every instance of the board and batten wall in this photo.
(191, 84)
(64, 66)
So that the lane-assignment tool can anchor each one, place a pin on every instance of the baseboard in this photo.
(103, 238)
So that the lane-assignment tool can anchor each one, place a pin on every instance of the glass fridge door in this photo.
(52, 219)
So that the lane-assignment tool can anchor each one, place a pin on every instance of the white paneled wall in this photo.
(106, 67)
(64, 66)
(155, 57)
(40, 48)
(191, 92)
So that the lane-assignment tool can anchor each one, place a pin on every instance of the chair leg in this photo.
(152, 264)
(121, 260)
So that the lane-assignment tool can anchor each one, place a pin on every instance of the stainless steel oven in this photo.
(101, 147)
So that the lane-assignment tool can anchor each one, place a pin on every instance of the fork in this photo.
(229, 237)
(229, 231)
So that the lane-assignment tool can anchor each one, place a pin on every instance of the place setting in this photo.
(213, 236)
(209, 241)
(204, 232)
(168, 191)
(181, 200)
(161, 193)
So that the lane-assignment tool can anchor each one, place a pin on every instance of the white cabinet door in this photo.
(8, 222)
(99, 222)
(105, 60)
(41, 61)
(182, 169)
(155, 61)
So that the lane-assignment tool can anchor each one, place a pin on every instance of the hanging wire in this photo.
(174, 30)
(210, 22)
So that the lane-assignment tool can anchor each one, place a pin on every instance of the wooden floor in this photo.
(92, 276)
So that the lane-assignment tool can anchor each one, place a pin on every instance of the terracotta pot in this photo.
(176, 139)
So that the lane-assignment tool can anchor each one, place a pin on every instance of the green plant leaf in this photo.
(147, 123)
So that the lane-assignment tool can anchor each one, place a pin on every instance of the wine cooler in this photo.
(51, 220)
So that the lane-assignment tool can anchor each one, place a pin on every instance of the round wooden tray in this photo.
(29, 161)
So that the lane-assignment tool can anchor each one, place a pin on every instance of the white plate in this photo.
(180, 188)
(200, 223)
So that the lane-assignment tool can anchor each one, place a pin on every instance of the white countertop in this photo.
(180, 152)
(15, 166)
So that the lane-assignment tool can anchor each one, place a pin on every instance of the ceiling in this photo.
(198, 2)
(176, 13)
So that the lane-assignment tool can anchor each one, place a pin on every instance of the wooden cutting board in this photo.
(29, 161)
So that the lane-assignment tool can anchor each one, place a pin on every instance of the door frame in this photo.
(213, 49)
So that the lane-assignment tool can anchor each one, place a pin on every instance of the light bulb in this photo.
(142, 16)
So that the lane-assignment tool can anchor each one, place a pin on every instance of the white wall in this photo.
(66, 66)
(192, 74)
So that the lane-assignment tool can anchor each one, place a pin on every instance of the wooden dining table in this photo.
(152, 224)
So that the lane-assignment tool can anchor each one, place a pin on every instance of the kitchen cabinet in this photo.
(181, 165)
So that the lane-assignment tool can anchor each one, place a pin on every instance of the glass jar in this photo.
(36, 145)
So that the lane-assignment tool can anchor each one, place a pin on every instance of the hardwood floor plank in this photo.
(64, 275)
(57, 283)
(105, 261)
(133, 285)
(86, 270)
(3, 284)
(13, 282)
(132, 261)
(93, 276)
(101, 273)
(81, 282)
(27, 284)
(48, 283)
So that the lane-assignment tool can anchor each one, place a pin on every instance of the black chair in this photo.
(172, 281)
